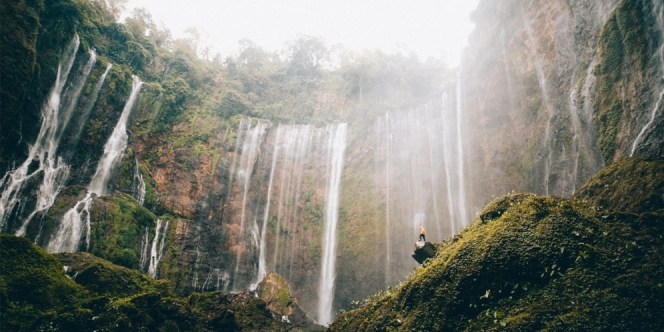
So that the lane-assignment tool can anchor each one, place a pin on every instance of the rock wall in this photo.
(549, 93)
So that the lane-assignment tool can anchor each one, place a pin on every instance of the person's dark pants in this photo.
(422, 238)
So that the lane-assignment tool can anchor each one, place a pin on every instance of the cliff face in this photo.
(554, 86)
(209, 198)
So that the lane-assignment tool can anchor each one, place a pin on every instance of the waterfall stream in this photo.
(658, 11)
(68, 236)
(53, 168)
(336, 148)
(157, 250)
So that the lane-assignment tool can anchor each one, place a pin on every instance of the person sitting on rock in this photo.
(422, 234)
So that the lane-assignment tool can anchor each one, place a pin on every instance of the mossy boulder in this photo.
(633, 185)
(532, 263)
(34, 290)
(81, 292)
(276, 294)
(106, 279)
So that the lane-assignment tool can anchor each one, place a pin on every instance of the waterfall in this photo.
(90, 105)
(262, 271)
(541, 79)
(250, 151)
(157, 250)
(336, 148)
(115, 146)
(143, 259)
(447, 151)
(138, 185)
(53, 168)
(658, 11)
(56, 172)
(463, 213)
(68, 235)
(388, 137)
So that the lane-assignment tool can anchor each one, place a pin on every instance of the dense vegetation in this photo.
(541, 263)
(37, 295)
(306, 82)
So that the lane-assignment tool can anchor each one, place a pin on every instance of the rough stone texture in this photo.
(424, 252)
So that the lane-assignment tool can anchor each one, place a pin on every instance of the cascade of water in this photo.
(115, 146)
(434, 180)
(138, 185)
(57, 171)
(143, 259)
(302, 149)
(507, 70)
(262, 271)
(90, 104)
(43, 150)
(541, 79)
(68, 236)
(286, 171)
(250, 151)
(463, 213)
(69, 232)
(448, 157)
(387, 197)
(336, 148)
(658, 11)
(157, 251)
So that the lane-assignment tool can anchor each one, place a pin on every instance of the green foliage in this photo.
(33, 287)
(632, 185)
(119, 225)
(622, 52)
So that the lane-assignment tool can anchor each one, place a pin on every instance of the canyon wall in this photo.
(216, 187)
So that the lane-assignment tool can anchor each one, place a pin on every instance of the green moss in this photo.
(119, 225)
(34, 290)
(633, 185)
(622, 51)
(537, 263)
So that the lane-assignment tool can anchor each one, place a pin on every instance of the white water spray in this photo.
(138, 185)
(658, 11)
(262, 271)
(157, 251)
(69, 233)
(463, 213)
(250, 150)
(337, 147)
(43, 150)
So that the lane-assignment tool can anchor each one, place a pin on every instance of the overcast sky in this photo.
(427, 27)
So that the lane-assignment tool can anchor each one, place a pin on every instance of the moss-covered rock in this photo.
(34, 291)
(532, 263)
(634, 185)
(89, 293)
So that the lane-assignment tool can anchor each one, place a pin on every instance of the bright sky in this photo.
(430, 28)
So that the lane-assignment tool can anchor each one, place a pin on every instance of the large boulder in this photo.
(424, 251)
(531, 263)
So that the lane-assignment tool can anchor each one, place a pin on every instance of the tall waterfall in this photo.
(262, 271)
(138, 184)
(336, 148)
(70, 230)
(461, 194)
(658, 12)
(250, 149)
(157, 250)
(116, 145)
(52, 169)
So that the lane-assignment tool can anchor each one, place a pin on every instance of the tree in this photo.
(307, 55)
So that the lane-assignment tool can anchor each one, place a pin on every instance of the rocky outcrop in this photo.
(424, 251)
